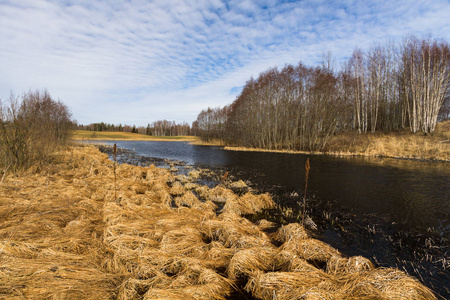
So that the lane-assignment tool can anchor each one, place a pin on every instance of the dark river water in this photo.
(396, 212)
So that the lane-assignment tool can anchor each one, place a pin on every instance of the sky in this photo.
(138, 61)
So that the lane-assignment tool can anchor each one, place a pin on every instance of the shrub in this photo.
(31, 129)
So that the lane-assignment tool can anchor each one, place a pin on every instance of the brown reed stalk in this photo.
(115, 178)
(224, 178)
(307, 167)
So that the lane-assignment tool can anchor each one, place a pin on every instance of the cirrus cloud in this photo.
(138, 61)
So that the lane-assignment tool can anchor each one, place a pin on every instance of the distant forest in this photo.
(158, 128)
(387, 88)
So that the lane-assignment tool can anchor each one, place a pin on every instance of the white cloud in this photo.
(138, 61)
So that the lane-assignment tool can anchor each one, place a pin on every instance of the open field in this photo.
(106, 135)
(85, 228)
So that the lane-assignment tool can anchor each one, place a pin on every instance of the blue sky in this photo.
(137, 61)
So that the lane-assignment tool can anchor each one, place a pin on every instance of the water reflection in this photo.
(410, 193)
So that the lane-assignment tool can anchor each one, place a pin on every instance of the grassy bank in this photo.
(400, 144)
(86, 229)
(106, 135)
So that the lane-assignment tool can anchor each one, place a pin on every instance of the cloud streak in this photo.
(138, 61)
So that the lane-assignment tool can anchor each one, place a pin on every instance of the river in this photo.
(395, 212)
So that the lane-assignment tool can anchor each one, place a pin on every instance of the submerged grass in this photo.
(66, 234)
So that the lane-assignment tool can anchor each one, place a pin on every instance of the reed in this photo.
(224, 178)
(114, 168)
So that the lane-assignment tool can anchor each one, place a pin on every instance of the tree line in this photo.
(387, 88)
(32, 127)
(157, 128)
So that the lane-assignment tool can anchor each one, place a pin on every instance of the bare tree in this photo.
(426, 80)
(359, 89)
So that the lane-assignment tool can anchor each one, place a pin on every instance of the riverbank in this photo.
(400, 145)
(85, 228)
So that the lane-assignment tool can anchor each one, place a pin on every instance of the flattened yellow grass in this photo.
(64, 235)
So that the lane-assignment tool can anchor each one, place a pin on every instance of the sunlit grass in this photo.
(212, 142)
(106, 135)
(398, 144)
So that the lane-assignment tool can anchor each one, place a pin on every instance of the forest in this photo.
(387, 88)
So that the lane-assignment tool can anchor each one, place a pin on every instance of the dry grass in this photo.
(64, 235)
(337, 265)
(246, 262)
(213, 142)
(177, 189)
(48, 277)
(248, 204)
(51, 231)
(310, 249)
(399, 144)
(263, 224)
(293, 285)
(293, 231)
(116, 136)
(287, 261)
(386, 284)
(220, 194)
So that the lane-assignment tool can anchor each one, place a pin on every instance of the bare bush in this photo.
(32, 127)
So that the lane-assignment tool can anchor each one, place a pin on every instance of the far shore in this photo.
(346, 154)
(80, 135)
(397, 145)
